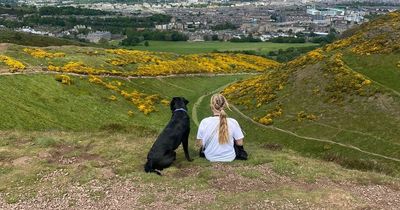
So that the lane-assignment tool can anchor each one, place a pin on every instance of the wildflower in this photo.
(265, 121)
(112, 98)
(64, 79)
(130, 113)
(13, 64)
(40, 53)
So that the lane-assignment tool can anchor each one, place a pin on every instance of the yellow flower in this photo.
(265, 121)
(112, 98)
(165, 102)
(366, 82)
(40, 53)
(64, 79)
(13, 64)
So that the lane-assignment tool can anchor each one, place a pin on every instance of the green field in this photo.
(208, 46)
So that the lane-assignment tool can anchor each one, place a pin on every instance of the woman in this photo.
(218, 134)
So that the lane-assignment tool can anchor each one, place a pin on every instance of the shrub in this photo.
(64, 79)
(13, 64)
(40, 53)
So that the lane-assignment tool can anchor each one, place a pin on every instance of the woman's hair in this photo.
(218, 103)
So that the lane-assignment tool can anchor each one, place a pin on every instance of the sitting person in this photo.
(217, 134)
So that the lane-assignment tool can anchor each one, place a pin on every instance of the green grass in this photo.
(41, 103)
(380, 68)
(347, 157)
(210, 46)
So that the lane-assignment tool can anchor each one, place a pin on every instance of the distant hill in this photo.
(9, 36)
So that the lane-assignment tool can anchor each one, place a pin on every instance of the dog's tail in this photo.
(148, 168)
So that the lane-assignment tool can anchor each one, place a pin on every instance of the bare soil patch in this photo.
(272, 191)
(3, 47)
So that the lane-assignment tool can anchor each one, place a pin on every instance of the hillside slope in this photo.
(127, 63)
(344, 94)
(76, 125)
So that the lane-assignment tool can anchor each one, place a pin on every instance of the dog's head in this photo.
(178, 103)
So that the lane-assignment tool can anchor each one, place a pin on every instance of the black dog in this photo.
(162, 153)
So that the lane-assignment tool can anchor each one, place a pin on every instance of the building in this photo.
(96, 36)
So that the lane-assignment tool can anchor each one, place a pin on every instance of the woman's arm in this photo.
(239, 142)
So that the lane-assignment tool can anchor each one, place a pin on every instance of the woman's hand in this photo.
(199, 143)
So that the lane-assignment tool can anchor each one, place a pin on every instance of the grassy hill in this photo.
(342, 99)
(121, 62)
(70, 146)
(76, 125)
(8, 36)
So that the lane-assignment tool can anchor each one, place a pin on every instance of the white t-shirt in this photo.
(208, 133)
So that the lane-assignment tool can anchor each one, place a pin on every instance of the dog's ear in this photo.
(186, 101)
(172, 103)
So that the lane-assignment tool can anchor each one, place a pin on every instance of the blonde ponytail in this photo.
(223, 128)
(218, 103)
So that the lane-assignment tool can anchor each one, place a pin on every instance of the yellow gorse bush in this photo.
(144, 102)
(268, 118)
(133, 56)
(13, 64)
(376, 37)
(143, 63)
(378, 45)
(345, 80)
(151, 63)
(207, 63)
(81, 68)
(40, 53)
(343, 43)
(257, 91)
(311, 57)
(64, 79)
(301, 116)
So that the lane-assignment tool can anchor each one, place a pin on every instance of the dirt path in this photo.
(386, 87)
(200, 99)
(356, 132)
(3, 47)
(268, 190)
(210, 186)
(38, 70)
(196, 121)
(312, 138)
(173, 85)
(378, 83)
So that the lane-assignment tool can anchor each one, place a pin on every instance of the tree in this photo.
(17, 36)
(214, 37)
(146, 43)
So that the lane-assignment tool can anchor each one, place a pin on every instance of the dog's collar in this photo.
(180, 109)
